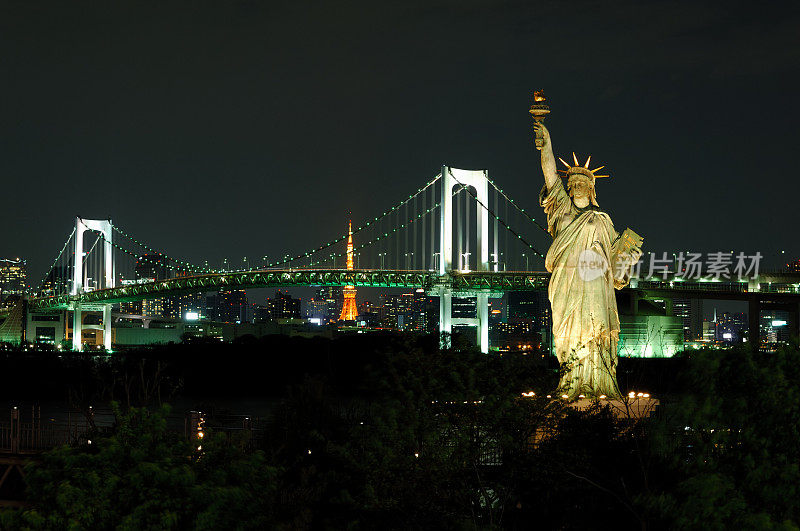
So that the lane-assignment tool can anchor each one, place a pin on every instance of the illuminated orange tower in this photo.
(349, 310)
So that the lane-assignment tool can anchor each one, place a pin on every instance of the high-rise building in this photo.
(431, 313)
(349, 308)
(391, 312)
(709, 330)
(366, 307)
(730, 327)
(58, 280)
(395, 310)
(691, 313)
(419, 315)
(526, 324)
(229, 306)
(775, 328)
(369, 314)
(160, 307)
(317, 309)
(332, 299)
(261, 314)
(132, 307)
(152, 267)
(532, 305)
(283, 306)
(13, 280)
(407, 311)
(190, 303)
(464, 306)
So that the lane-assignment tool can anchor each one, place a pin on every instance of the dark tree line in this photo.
(395, 433)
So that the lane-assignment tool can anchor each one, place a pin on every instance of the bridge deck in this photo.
(785, 285)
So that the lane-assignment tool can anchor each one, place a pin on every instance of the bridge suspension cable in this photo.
(497, 218)
(51, 271)
(186, 265)
(370, 223)
(393, 231)
(514, 204)
(156, 263)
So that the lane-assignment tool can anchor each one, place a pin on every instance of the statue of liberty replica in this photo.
(587, 260)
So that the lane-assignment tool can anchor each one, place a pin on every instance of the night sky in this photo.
(224, 129)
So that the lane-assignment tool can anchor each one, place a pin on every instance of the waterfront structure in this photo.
(349, 307)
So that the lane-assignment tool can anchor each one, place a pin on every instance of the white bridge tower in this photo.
(477, 179)
(104, 227)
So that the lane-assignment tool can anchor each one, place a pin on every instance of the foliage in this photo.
(731, 443)
(144, 476)
(447, 441)
(396, 433)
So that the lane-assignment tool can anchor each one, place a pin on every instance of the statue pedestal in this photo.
(623, 408)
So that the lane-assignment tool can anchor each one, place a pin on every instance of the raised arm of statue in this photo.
(548, 159)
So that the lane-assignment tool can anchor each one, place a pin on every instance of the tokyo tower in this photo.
(349, 310)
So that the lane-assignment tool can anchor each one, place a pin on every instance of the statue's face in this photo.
(581, 188)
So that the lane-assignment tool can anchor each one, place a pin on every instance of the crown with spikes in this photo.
(577, 169)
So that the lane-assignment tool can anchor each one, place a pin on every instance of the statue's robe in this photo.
(585, 318)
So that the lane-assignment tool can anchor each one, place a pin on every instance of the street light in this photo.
(495, 261)
(465, 261)
(382, 256)
(407, 259)
(527, 265)
(435, 264)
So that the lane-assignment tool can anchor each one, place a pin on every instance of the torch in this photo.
(539, 110)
